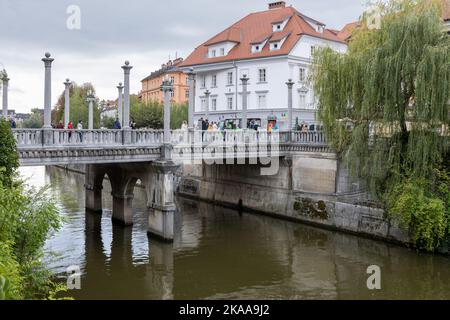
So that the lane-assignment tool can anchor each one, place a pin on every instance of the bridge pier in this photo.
(162, 205)
(123, 209)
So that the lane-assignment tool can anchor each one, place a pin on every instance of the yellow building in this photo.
(151, 85)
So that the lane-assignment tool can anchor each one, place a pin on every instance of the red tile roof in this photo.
(255, 28)
(446, 13)
(347, 31)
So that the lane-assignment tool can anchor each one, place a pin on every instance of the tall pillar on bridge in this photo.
(120, 102)
(207, 94)
(191, 108)
(290, 85)
(91, 99)
(48, 91)
(5, 96)
(126, 103)
(166, 88)
(67, 85)
(244, 80)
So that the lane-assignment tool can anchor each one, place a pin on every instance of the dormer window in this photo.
(320, 28)
(278, 26)
(222, 52)
(258, 46)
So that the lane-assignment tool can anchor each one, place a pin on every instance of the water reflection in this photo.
(219, 253)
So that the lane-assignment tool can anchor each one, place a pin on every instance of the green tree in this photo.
(9, 160)
(78, 106)
(384, 103)
(27, 216)
(35, 121)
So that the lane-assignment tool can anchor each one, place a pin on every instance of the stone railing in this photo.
(27, 138)
(96, 138)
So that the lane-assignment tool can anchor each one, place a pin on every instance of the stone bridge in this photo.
(66, 147)
(153, 157)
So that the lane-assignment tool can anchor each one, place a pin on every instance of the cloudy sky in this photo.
(146, 32)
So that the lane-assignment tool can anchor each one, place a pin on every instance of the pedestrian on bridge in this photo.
(117, 125)
(80, 128)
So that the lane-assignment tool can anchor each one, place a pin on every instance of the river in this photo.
(223, 254)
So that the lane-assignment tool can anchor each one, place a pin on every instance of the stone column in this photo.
(167, 88)
(290, 85)
(126, 104)
(126, 95)
(91, 99)
(162, 208)
(67, 85)
(244, 80)
(191, 108)
(207, 94)
(48, 91)
(5, 96)
(120, 104)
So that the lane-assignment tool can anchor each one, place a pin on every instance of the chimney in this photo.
(276, 5)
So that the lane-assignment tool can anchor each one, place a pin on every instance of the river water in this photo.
(221, 254)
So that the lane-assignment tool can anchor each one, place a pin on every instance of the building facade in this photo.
(270, 48)
(151, 85)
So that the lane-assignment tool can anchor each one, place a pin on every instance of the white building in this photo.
(269, 47)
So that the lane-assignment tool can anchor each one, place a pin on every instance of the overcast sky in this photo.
(145, 32)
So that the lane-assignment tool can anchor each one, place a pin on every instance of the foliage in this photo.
(9, 160)
(27, 217)
(108, 122)
(79, 109)
(35, 121)
(151, 115)
(419, 210)
(384, 103)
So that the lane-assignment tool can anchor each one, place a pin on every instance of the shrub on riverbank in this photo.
(27, 217)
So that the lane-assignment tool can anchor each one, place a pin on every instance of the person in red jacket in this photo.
(70, 127)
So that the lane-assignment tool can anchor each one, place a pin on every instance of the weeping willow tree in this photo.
(385, 103)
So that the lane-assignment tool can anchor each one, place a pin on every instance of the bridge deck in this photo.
(51, 147)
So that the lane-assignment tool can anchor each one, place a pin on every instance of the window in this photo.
(313, 50)
(187, 93)
(302, 74)
(262, 75)
(213, 53)
(214, 81)
(203, 82)
(302, 101)
(261, 101)
(278, 27)
(214, 104)
(275, 45)
(203, 104)
(172, 80)
(230, 78)
(222, 51)
(230, 103)
(172, 93)
(257, 48)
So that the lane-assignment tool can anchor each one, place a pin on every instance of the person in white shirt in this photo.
(80, 127)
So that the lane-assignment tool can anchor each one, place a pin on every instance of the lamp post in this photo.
(67, 85)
